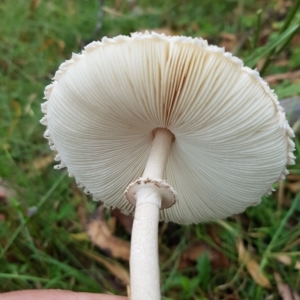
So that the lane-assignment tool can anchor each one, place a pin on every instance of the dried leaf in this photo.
(81, 212)
(3, 196)
(293, 186)
(296, 40)
(34, 4)
(275, 78)
(228, 41)
(194, 251)
(252, 266)
(286, 260)
(165, 30)
(125, 220)
(291, 245)
(128, 291)
(41, 163)
(70, 8)
(114, 267)
(2, 217)
(46, 44)
(282, 6)
(112, 224)
(117, 4)
(80, 208)
(214, 232)
(293, 177)
(38, 165)
(61, 45)
(81, 236)
(284, 289)
(195, 27)
(17, 109)
(101, 236)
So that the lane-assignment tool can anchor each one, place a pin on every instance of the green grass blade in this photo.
(261, 52)
(25, 221)
(278, 232)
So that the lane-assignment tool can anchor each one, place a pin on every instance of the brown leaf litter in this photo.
(252, 265)
(101, 235)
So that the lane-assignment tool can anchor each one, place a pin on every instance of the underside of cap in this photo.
(232, 139)
(166, 192)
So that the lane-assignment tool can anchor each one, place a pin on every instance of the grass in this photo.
(37, 245)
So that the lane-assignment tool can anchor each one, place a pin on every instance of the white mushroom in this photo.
(157, 114)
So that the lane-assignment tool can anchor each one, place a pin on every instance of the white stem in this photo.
(144, 266)
(159, 153)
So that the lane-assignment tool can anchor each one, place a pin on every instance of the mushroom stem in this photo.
(159, 154)
(144, 266)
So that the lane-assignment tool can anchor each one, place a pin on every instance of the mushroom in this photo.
(193, 134)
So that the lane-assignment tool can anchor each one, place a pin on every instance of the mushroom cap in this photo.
(232, 140)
